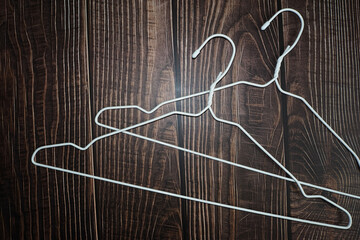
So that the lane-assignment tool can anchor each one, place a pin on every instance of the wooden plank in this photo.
(44, 100)
(324, 69)
(257, 110)
(132, 62)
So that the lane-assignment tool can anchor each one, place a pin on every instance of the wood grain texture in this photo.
(44, 100)
(324, 69)
(132, 64)
(257, 110)
(61, 62)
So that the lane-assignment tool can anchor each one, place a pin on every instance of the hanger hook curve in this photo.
(197, 52)
(266, 24)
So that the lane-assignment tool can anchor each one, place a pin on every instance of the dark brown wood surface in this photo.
(61, 62)
(45, 100)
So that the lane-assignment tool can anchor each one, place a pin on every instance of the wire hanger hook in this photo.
(197, 51)
(289, 47)
(278, 85)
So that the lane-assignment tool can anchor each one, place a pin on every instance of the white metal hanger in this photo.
(208, 107)
(277, 69)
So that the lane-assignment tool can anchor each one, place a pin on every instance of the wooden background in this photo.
(61, 62)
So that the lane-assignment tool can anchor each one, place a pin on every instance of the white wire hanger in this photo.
(208, 107)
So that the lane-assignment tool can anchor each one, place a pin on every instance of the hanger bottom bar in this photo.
(192, 198)
(242, 166)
